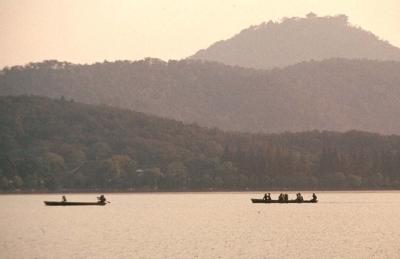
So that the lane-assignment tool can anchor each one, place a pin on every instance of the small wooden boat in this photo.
(278, 201)
(71, 203)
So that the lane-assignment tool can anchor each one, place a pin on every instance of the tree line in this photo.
(61, 144)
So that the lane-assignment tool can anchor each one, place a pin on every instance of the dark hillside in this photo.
(57, 144)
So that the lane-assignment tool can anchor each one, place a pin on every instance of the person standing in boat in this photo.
(314, 197)
(102, 199)
(64, 199)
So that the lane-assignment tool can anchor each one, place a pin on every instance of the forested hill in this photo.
(334, 94)
(279, 44)
(56, 144)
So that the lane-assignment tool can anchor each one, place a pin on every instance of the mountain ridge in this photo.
(335, 94)
(279, 44)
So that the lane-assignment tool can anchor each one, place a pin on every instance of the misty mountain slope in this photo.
(334, 94)
(295, 40)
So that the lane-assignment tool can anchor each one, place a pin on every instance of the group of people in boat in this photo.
(267, 196)
(285, 197)
(101, 199)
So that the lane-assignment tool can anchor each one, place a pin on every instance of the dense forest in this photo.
(336, 94)
(294, 40)
(61, 144)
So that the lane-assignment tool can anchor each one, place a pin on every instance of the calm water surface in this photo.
(202, 225)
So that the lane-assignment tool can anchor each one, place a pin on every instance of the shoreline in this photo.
(144, 191)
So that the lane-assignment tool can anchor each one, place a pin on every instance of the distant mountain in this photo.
(295, 40)
(334, 94)
(58, 144)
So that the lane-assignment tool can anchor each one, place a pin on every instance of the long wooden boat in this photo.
(71, 203)
(278, 201)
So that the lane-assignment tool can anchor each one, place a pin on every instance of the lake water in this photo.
(202, 225)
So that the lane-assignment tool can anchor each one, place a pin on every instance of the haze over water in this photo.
(202, 225)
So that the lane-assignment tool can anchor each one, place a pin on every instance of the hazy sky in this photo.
(85, 31)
